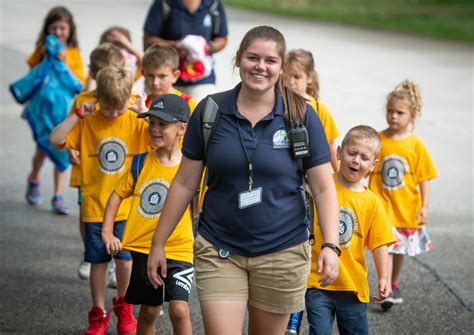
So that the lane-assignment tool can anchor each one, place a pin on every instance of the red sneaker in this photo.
(98, 321)
(126, 322)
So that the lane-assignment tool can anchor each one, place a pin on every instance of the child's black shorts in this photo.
(177, 286)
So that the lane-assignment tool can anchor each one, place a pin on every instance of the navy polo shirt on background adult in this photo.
(181, 22)
(280, 221)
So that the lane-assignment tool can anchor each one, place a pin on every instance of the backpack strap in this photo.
(165, 9)
(209, 121)
(137, 166)
(215, 17)
(305, 190)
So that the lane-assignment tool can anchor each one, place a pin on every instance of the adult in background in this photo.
(197, 29)
(252, 247)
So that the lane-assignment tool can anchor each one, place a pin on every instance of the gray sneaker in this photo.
(397, 298)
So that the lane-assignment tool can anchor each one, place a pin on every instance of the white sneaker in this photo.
(84, 270)
(161, 312)
(111, 277)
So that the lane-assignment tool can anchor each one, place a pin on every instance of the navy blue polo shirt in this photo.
(280, 221)
(181, 22)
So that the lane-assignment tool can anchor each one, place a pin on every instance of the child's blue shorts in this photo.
(94, 247)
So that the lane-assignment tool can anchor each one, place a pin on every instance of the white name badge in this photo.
(250, 198)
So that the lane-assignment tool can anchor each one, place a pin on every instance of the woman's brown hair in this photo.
(296, 103)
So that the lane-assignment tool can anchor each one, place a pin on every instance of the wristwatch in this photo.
(333, 247)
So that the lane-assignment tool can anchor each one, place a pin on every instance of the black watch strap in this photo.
(333, 247)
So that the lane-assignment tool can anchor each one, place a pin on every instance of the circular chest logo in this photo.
(207, 21)
(394, 168)
(112, 153)
(348, 226)
(152, 197)
(280, 139)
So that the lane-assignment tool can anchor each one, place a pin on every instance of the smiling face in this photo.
(399, 115)
(357, 158)
(62, 30)
(260, 65)
(159, 80)
(165, 134)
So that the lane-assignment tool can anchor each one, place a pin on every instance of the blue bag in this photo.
(50, 102)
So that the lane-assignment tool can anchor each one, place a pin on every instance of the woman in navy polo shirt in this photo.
(252, 250)
(168, 22)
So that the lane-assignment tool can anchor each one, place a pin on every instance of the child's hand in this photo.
(62, 55)
(112, 244)
(74, 156)
(422, 216)
(384, 288)
(119, 39)
(87, 108)
(139, 104)
(384, 291)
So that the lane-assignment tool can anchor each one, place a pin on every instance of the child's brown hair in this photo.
(365, 133)
(108, 31)
(104, 55)
(57, 14)
(114, 87)
(306, 60)
(160, 55)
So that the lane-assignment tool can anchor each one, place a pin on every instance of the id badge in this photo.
(250, 198)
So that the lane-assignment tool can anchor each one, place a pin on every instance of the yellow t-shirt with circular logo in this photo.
(362, 223)
(148, 198)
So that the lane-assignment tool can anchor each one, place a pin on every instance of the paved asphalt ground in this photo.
(40, 292)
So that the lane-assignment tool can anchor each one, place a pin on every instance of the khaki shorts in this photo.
(275, 283)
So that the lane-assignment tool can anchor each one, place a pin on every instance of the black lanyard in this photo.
(250, 161)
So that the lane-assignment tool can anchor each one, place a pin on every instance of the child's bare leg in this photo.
(97, 282)
(147, 319)
(37, 163)
(389, 269)
(59, 181)
(398, 261)
(180, 317)
(123, 270)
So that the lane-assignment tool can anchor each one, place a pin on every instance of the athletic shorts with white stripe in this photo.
(178, 282)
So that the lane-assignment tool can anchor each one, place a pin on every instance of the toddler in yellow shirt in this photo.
(363, 223)
(147, 184)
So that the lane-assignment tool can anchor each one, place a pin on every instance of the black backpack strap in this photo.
(137, 166)
(209, 121)
(215, 17)
(165, 9)
(305, 190)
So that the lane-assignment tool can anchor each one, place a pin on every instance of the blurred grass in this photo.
(452, 20)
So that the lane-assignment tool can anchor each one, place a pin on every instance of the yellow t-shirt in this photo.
(402, 165)
(75, 179)
(73, 61)
(326, 119)
(148, 198)
(106, 148)
(362, 223)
